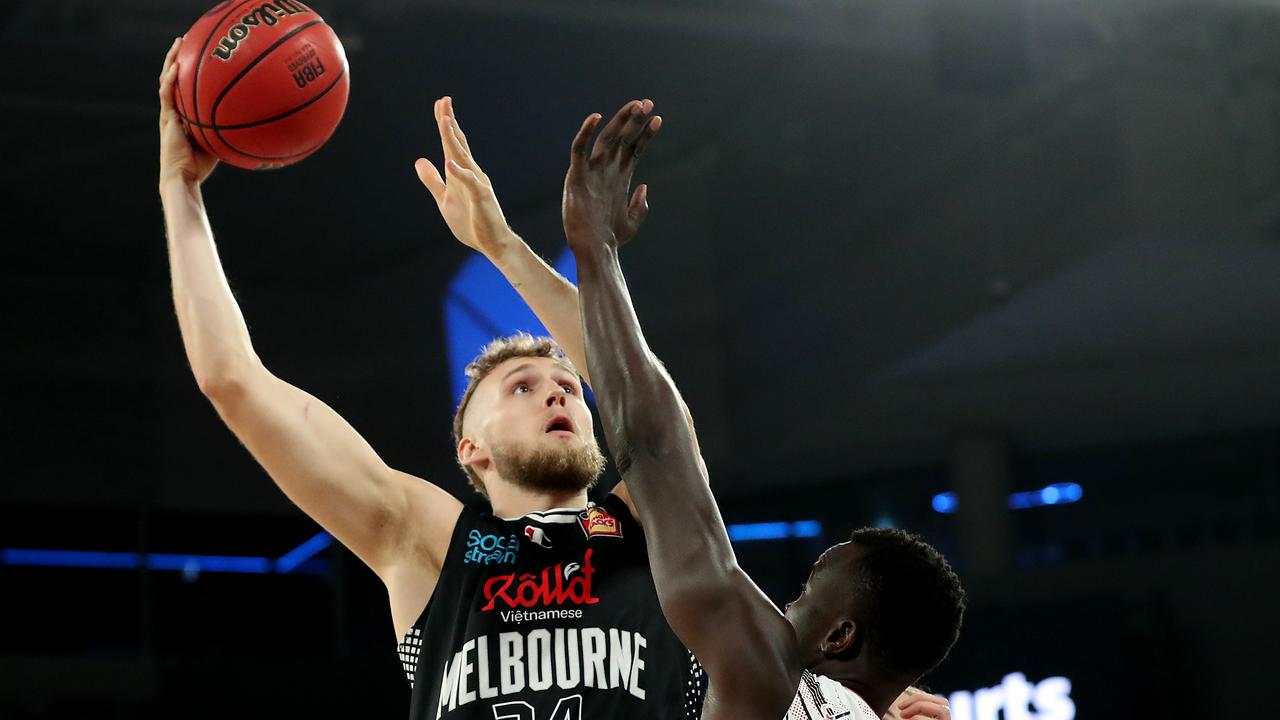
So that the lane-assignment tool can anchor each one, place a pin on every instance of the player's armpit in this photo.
(324, 466)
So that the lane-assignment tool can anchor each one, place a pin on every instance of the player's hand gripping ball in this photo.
(261, 84)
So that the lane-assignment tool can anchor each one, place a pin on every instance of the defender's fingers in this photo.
(636, 125)
(430, 177)
(638, 208)
(650, 131)
(582, 141)
(609, 136)
(926, 707)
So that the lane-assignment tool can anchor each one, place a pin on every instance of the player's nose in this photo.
(556, 398)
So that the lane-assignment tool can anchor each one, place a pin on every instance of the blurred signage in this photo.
(1015, 698)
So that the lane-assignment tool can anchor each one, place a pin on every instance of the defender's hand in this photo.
(916, 704)
(180, 159)
(596, 206)
(466, 200)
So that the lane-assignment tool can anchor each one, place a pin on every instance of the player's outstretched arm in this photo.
(469, 206)
(319, 461)
(746, 645)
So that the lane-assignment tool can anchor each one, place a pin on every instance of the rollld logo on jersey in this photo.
(557, 585)
(491, 549)
(598, 523)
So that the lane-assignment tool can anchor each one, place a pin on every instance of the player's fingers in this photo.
(455, 149)
(430, 177)
(448, 110)
(582, 141)
(170, 56)
(647, 135)
(469, 179)
(609, 136)
(166, 89)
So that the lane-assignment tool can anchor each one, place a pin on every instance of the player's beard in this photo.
(561, 470)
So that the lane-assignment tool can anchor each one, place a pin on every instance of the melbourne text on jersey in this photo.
(490, 667)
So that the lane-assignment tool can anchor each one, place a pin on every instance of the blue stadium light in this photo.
(1055, 494)
(747, 532)
(69, 558)
(189, 565)
(806, 529)
(303, 552)
(208, 563)
(946, 502)
(481, 305)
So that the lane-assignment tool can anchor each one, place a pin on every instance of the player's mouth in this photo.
(560, 426)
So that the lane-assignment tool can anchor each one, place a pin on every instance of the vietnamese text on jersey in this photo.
(551, 616)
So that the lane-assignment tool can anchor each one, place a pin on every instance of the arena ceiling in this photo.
(876, 226)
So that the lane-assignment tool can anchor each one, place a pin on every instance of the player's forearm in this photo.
(213, 330)
(549, 295)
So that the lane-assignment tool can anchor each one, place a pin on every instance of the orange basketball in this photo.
(261, 84)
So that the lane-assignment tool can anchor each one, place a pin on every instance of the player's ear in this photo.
(471, 453)
(843, 640)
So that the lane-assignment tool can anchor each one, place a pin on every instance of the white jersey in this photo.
(821, 698)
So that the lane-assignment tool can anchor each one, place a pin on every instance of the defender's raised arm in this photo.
(747, 647)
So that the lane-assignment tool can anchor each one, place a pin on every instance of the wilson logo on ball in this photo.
(267, 14)
(261, 84)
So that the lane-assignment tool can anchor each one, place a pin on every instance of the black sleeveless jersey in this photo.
(552, 616)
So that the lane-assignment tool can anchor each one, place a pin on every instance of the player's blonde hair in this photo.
(500, 350)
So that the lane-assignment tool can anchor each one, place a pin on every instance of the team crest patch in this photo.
(598, 523)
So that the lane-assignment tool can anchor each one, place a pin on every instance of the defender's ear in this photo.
(843, 640)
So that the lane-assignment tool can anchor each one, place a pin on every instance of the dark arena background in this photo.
(1002, 272)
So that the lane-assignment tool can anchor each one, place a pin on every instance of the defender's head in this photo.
(886, 597)
(523, 420)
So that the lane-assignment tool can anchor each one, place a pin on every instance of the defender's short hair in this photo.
(498, 351)
(909, 598)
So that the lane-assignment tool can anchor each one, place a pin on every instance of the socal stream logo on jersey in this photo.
(491, 549)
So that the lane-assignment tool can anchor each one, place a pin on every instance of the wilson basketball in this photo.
(261, 84)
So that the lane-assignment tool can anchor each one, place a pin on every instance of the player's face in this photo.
(533, 422)
(826, 598)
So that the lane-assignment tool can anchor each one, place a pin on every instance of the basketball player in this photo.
(470, 208)
(877, 612)
(544, 608)
(430, 552)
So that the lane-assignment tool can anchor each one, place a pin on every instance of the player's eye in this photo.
(520, 388)
(569, 389)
